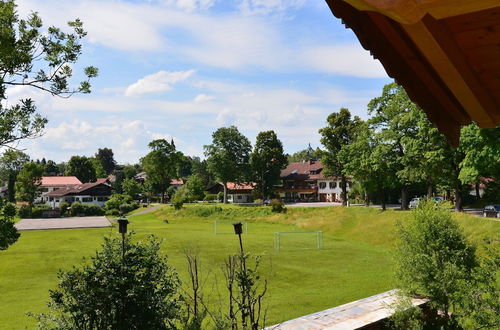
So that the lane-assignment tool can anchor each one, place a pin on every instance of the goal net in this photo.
(226, 227)
(298, 240)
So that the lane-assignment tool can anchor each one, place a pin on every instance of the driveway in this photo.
(62, 223)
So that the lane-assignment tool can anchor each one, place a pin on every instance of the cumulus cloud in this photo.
(226, 117)
(203, 98)
(266, 7)
(157, 82)
(190, 5)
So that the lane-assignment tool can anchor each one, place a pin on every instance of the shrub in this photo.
(9, 210)
(277, 206)
(64, 206)
(36, 211)
(93, 209)
(220, 196)
(91, 296)
(126, 208)
(113, 212)
(77, 208)
(210, 197)
(24, 212)
(116, 200)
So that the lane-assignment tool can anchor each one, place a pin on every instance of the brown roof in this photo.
(177, 181)
(51, 181)
(311, 170)
(75, 189)
(240, 186)
(445, 53)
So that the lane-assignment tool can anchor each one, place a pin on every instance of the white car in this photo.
(414, 202)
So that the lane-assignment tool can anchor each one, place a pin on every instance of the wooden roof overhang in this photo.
(445, 53)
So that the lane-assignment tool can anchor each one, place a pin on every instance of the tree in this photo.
(228, 156)
(50, 169)
(267, 160)
(305, 155)
(136, 290)
(99, 170)
(11, 163)
(341, 131)
(132, 188)
(28, 182)
(200, 168)
(106, 157)
(434, 259)
(82, 167)
(161, 165)
(195, 187)
(40, 58)
(8, 232)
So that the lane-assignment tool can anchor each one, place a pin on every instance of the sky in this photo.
(181, 69)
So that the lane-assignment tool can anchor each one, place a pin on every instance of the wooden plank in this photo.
(446, 57)
(481, 37)
(491, 80)
(473, 21)
(484, 54)
(419, 69)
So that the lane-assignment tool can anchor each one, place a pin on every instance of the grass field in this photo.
(354, 263)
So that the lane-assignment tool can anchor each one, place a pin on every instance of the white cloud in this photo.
(157, 82)
(266, 7)
(203, 98)
(226, 117)
(190, 5)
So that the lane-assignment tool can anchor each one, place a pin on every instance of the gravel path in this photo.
(148, 210)
(62, 223)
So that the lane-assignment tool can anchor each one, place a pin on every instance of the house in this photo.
(90, 193)
(305, 182)
(236, 192)
(142, 177)
(51, 183)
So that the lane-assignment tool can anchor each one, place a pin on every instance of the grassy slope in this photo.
(355, 261)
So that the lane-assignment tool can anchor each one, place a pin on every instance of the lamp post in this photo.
(238, 230)
(122, 229)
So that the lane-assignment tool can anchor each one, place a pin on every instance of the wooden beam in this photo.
(446, 57)
(412, 11)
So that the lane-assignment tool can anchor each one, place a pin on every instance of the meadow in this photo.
(355, 260)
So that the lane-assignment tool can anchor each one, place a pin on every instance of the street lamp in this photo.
(238, 230)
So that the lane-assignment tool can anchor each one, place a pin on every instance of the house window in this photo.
(102, 199)
(87, 199)
(239, 197)
(333, 184)
(322, 185)
(57, 200)
(51, 199)
(45, 189)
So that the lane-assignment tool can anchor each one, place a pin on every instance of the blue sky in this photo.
(183, 68)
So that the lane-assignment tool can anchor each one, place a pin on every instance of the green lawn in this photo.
(354, 263)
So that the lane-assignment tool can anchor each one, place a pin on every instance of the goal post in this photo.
(298, 240)
(226, 226)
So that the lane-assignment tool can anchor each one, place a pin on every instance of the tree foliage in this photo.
(8, 232)
(28, 182)
(11, 162)
(267, 160)
(40, 58)
(161, 164)
(196, 188)
(131, 188)
(135, 291)
(340, 131)
(82, 167)
(228, 156)
(106, 157)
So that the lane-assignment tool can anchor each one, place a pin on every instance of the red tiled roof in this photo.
(48, 181)
(240, 186)
(177, 181)
(74, 189)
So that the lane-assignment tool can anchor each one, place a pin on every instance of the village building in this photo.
(236, 192)
(306, 182)
(89, 193)
(50, 183)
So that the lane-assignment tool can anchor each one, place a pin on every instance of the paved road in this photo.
(150, 209)
(62, 223)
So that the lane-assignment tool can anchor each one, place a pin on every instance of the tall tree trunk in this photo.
(404, 197)
(367, 199)
(11, 192)
(224, 184)
(429, 189)
(382, 195)
(447, 195)
(477, 190)
(343, 185)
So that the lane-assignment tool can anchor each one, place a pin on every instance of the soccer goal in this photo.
(298, 240)
(226, 227)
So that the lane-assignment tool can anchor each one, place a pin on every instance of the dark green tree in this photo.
(137, 290)
(50, 169)
(132, 188)
(11, 162)
(34, 56)
(228, 156)
(106, 157)
(341, 131)
(305, 155)
(266, 161)
(82, 167)
(161, 165)
(195, 187)
(8, 232)
(200, 168)
(100, 172)
(28, 182)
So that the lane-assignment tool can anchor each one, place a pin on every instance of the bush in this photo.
(126, 208)
(113, 212)
(116, 200)
(24, 212)
(9, 210)
(210, 197)
(36, 211)
(91, 296)
(77, 208)
(64, 206)
(220, 196)
(277, 206)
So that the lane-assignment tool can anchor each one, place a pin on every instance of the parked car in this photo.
(491, 211)
(438, 199)
(414, 202)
